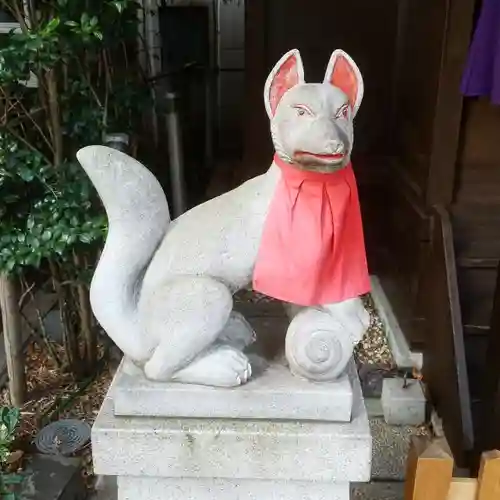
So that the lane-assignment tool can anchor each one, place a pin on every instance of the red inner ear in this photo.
(286, 78)
(344, 77)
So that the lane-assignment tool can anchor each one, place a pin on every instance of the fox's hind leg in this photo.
(187, 315)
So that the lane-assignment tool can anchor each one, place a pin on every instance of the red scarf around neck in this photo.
(312, 250)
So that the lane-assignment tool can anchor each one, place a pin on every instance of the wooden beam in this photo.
(445, 369)
(257, 144)
(448, 110)
(489, 476)
(463, 489)
(488, 432)
(429, 469)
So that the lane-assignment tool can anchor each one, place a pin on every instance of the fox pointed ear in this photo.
(343, 73)
(288, 72)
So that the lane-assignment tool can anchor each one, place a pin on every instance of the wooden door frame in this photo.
(256, 132)
(449, 102)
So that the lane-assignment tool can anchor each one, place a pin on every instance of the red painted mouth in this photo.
(323, 157)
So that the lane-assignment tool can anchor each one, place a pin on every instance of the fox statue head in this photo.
(312, 123)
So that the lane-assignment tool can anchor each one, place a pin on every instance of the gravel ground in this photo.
(374, 348)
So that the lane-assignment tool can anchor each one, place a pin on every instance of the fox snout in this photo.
(335, 147)
(320, 143)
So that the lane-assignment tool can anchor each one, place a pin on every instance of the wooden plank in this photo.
(479, 175)
(448, 109)
(477, 289)
(489, 432)
(429, 469)
(422, 31)
(257, 149)
(400, 267)
(489, 476)
(474, 226)
(463, 489)
(444, 356)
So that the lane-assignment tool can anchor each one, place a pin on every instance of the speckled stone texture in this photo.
(259, 454)
(359, 491)
(131, 488)
(390, 449)
(403, 404)
(378, 491)
(274, 393)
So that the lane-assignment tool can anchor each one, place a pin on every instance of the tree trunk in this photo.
(85, 313)
(12, 334)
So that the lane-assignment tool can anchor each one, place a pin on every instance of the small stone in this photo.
(403, 405)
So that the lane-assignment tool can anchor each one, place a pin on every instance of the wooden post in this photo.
(463, 489)
(12, 334)
(429, 474)
(489, 476)
(429, 470)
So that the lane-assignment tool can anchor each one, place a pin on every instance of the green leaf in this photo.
(53, 24)
(47, 235)
(12, 479)
(26, 174)
(86, 238)
(33, 260)
(10, 418)
(119, 5)
(10, 265)
(9, 496)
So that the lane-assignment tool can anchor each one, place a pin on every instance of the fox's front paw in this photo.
(353, 317)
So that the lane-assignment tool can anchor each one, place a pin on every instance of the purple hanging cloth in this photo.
(482, 72)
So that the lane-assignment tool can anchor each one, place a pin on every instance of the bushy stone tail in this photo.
(139, 217)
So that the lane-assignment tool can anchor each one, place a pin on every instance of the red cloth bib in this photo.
(312, 250)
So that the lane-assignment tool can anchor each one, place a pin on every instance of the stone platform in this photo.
(273, 393)
(223, 489)
(232, 458)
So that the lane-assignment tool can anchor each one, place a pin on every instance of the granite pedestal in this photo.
(264, 441)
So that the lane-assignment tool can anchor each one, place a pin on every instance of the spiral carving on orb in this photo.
(316, 346)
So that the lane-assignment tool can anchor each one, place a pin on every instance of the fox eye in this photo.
(343, 112)
(302, 110)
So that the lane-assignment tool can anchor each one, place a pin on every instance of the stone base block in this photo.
(132, 488)
(234, 448)
(274, 393)
(239, 459)
(403, 405)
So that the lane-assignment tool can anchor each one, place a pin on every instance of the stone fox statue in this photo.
(163, 288)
